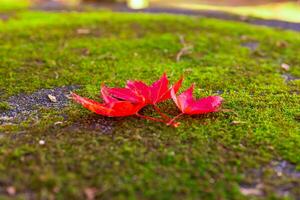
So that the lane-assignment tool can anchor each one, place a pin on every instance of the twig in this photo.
(186, 48)
(172, 120)
(182, 40)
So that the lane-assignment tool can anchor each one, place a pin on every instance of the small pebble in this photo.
(237, 122)
(83, 31)
(52, 98)
(5, 118)
(285, 66)
(42, 142)
(58, 123)
(252, 191)
(90, 193)
(11, 190)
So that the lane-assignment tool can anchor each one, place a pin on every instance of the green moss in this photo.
(4, 106)
(13, 5)
(205, 158)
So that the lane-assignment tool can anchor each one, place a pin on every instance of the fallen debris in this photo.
(58, 123)
(5, 118)
(42, 142)
(83, 31)
(90, 193)
(52, 98)
(11, 190)
(237, 122)
(185, 50)
(281, 44)
(285, 67)
(56, 75)
(252, 191)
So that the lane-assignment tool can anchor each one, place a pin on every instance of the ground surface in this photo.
(280, 10)
(59, 150)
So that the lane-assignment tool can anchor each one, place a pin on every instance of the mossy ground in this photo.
(13, 5)
(207, 157)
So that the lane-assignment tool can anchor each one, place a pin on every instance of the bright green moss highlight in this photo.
(4, 106)
(13, 5)
(205, 158)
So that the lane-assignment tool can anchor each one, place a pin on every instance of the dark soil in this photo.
(94, 123)
(251, 45)
(23, 105)
(285, 168)
(288, 77)
(273, 176)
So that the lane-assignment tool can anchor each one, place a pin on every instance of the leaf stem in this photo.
(150, 118)
(161, 114)
(157, 120)
(172, 120)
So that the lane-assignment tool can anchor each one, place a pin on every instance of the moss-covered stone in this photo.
(207, 157)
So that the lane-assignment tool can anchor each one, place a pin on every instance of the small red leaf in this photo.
(155, 93)
(105, 95)
(188, 105)
(111, 108)
(140, 88)
(167, 94)
(124, 94)
(158, 89)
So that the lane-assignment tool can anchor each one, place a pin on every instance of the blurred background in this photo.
(286, 10)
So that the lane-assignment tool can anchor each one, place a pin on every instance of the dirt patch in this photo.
(24, 105)
(285, 168)
(5, 17)
(288, 77)
(94, 123)
(279, 177)
(219, 92)
(252, 46)
(50, 5)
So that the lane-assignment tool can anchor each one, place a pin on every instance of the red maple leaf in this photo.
(120, 102)
(113, 107)
(157, 92)
(138, 91)
(187, 104)
(124, 94)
